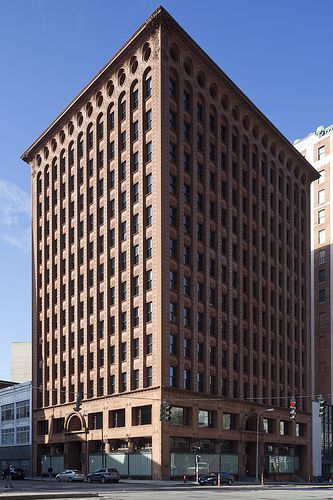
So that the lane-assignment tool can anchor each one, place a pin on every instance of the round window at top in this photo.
(174, 52)
(110, 88)
(133, 64)
(246, 122)
(89, 109)
(79, 118)
(225, 102)
(121, 76)
(146, 51)
(62, 136)
(70, 128)
(99, 99)
(213, 90)
(235, 112)
(201, 79)
(255, 132)
(53, 144)
(188, 66)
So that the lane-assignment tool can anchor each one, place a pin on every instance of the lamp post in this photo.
(257, 450)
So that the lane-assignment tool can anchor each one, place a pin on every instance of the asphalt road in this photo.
(152, 490)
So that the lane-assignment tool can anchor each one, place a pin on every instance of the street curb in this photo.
(46, 495)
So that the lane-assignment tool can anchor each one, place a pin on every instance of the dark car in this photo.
(16, 473)
(212, 479)
(104, 476)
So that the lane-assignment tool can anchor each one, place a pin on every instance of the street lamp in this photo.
(257, 452)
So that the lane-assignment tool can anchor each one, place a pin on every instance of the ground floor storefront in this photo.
(241, 438)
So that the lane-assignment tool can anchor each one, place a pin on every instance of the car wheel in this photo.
(230, 482)
(89, 479)
(58, 479)
(214, 482)
(70, 479)
(103, 480)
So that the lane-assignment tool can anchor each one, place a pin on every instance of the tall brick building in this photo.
(170, 262)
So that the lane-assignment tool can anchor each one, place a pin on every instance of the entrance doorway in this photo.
(74, 457)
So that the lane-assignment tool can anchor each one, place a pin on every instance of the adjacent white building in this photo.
(21, 359)
(15, 426)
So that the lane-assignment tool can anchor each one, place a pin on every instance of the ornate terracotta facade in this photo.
(171, 256)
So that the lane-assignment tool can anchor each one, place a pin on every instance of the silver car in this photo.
(70, 475)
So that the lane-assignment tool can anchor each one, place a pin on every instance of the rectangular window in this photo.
(135, 161)
(149, 215)
(148, 88)
(321, 196)
(149, 279)
(321, 295)
(141, 415)
(172, 248)
(180, 416)
(135, 98)
(321, 152)
(117, 417)
(321, 256)
(149, 247)
(136, 254)
(136, 317)
(321, 275)
(172, 344)
(322, 236)
(149, 183)
(7, 412)
(172, 152)
(122, 110)
(149, 152)
(172, 120)
(149, 309)
(149, 119)
(205, 418)
(172, 88)
(321, 216)
(173, 376)
(135, 128)
(22, 409)
(172, 312)
(7, 437)
(123, 141)
(149, 344)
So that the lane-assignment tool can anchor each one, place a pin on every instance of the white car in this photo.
(70, 475)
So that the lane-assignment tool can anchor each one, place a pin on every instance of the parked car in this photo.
(70, 475)
(225, 478)
(104, 475)
(16, 473)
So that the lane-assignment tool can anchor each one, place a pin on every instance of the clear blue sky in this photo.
(278, 52)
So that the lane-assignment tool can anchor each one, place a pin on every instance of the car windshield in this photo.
(77, 471)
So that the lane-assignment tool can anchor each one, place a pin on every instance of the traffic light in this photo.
(322, 405)
(196, 450)
(168, 411)
(162, 411)
(165, 411)
(78, 402)
(292, 409)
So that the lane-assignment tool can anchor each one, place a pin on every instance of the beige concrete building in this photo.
(317, 148)
(21, 362)
(171, 254)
